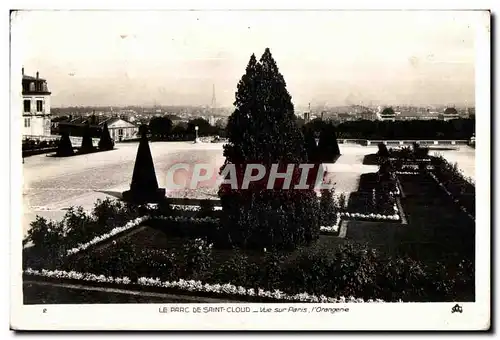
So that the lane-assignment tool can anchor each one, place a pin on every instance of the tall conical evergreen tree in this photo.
(311, 145)
(284, 141)
(263, 130)
(87, 145)
(106, 143)
(327, 145)
(144, 186)
(64, 147)
(240, 124)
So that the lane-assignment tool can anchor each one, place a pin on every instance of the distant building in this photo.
(449, 114)
(120, 129)
(36, 106)
(413, 115)
(387, 114)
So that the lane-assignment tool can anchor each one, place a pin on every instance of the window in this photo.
(39, 106)
(27, 105)
(32, 87)
(26, 122)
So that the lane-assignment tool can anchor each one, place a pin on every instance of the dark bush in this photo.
(80, 227)
(206, 208)
(238, 270)
(45, 234)
(329, 207)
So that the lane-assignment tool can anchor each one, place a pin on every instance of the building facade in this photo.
(120, 129)
(36, 106)
(449, 114)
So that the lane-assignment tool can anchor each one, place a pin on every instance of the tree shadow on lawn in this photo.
(331, 161)
(361, 201)
(371, 159)
(77, 153)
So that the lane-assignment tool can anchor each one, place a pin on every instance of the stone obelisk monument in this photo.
(144, 186)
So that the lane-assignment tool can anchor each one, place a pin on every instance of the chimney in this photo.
(37, 74)
(22, 71)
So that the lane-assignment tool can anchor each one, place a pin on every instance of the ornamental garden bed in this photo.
(165, 257)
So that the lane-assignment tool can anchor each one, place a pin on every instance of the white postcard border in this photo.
(406, 316)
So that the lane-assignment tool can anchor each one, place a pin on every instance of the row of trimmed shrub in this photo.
(33, 144)
(453, 179)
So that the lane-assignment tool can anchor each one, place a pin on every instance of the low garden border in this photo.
(192, 287)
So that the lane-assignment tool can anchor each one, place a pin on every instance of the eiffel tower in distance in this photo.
(213, 105)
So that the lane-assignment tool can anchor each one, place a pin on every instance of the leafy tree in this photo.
(388, 111)
(263, 129)
(160, 127)
(450, 111)
(316, 125)
(106, 143)
(204, 127)
(179, 132)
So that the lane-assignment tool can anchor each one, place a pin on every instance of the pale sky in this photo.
(174, 58)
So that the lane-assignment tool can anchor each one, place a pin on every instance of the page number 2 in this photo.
(44, 310)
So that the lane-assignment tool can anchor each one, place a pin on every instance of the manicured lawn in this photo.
(437, 227)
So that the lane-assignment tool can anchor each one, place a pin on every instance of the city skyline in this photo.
(175, 58)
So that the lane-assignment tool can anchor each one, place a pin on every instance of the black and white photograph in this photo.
(250, 169)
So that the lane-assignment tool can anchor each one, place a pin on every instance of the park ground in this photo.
(51, 185)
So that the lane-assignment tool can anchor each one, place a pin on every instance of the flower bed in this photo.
(407, 173)
(333, 229)
(195, 286)
(373, 216)
(191, 207)
(136, 222)
(98, 239)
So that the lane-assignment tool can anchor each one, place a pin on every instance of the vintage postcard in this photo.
(250, 170)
